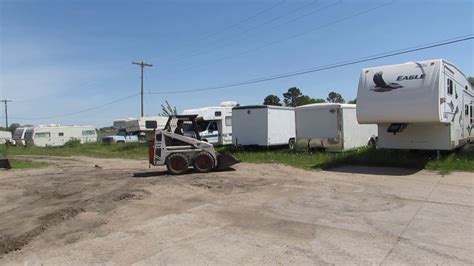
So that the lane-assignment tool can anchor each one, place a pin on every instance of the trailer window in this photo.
(472, 121)
(450, 87)
(88, 132)
(217, 113)
(466, 109)
(42, 135)
(228, 121)
(61, 134)
(212, 127)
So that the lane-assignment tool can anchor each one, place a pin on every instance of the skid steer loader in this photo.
(180, 151)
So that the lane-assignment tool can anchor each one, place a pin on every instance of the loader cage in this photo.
(190, 127)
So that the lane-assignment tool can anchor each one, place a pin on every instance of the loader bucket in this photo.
(225, 160)
(4, 163)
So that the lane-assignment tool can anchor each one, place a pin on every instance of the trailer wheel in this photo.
(372, 143)
(203, 162)
(177, 164)
(292, 144)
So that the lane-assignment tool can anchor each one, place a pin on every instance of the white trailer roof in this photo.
(325, 105)
(262, 107)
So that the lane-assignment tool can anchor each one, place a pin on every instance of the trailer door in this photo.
(447, 101)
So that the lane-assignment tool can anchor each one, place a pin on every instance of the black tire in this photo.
(120, 142)
(372, 143)
(292, 144)
(177, 164)
(203, 162)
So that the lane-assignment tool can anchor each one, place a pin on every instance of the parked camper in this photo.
(331, 127)
(215, 122)
(262, 125)
(121, 124)
(137, 125)
(133, 129)
(424, 105)
(19, 136)
(6, 136)
(57, 135)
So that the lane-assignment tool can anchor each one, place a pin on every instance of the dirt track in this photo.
(74, 212)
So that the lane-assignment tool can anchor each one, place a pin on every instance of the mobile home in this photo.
(331, 127)
(57, 135)
(425, 105)
(262, 125)
(214, 122)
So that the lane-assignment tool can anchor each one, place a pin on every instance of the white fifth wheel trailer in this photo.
(331, 127)
(425, 105)
(57, 135)
(214, 122)
(262, 125)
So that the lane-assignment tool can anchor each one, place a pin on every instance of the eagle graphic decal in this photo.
(381, 85)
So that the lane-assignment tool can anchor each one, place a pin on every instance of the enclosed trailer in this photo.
(57, 135)
(331, 127)
(214, 122)
(425, 105)
(262, 125)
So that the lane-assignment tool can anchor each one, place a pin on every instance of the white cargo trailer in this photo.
(425, 105)
(262, 125)
(57, 135)
(214, 122)
(331, 127)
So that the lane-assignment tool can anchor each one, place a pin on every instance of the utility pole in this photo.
(142, 65)
(6, 111)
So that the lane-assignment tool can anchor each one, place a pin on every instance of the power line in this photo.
(234, 41)
(329, 66)
(319, 27)
(5, 101)
(81, 111)
(142, 66)
(232, 26)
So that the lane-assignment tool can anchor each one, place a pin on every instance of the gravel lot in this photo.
(83, 210)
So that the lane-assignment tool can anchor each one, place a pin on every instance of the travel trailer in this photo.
(425, 105)
(19, 136)
(57, 135)
(214, 122)
(6, 136)
(331, 127)
(262, 125)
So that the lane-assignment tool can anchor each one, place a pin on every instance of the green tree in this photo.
(290, 98)
(334, 97)
(304, 100)
(13, 127)
(353, 101)
(471, 81)
(168, 110)
(272, 100)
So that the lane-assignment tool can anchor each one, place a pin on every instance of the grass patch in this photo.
(26, 164)
(463, 161)
(126, 151)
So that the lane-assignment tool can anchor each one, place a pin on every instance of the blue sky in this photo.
(59, 57)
